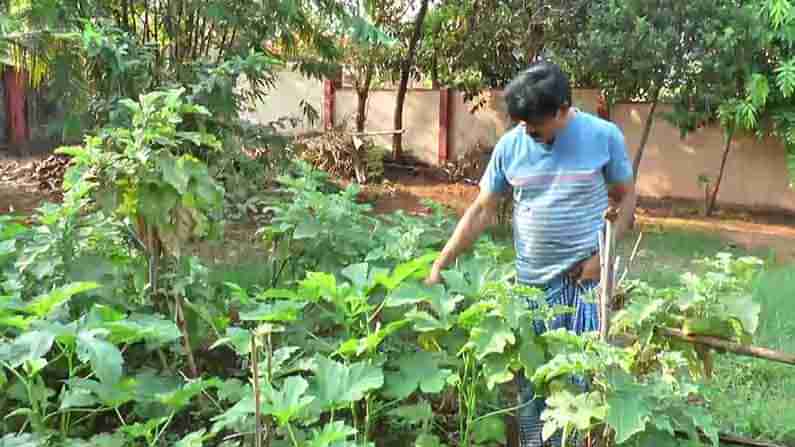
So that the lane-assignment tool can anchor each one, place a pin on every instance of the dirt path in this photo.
(20, 192)
(407, 192)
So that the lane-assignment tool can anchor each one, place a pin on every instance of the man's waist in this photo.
(534, 273)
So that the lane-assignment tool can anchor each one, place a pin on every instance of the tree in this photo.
(639, 50)
(728, 83)
(366, 58)
(405, 71)
(111, 49)
(473, 45)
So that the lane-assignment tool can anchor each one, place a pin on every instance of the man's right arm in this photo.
(477, 218)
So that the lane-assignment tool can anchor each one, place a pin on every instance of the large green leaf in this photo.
(193, 439)
(627, 414)
(287, 403)
(180, 398)
(174, 172)
(413, 293)
(155, 202)
(156, 331)
(628, 411)
(332, 434)
(235, 415)
(105, 358)
(490, 429)
(703, 421)
(745, 309)
(77, 398)
(569, 412)
(371, 342)
(419, 370)
(318, 285)
(337, 384)
(238, 338)
(111, 395)
(491, 336)
(307, 229)
(417, 414)
(29, 346)
(278, 311)
(531, 352)
(444, 319)
(497, 369)
(357, 274)
(44, 304)
(22, 440)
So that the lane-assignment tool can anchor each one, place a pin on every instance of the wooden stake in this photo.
(736, 348)
(257, 406)
(607, 278)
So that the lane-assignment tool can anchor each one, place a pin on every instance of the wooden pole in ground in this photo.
(607, 260)
(736, 348)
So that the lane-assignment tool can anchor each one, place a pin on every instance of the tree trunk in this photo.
(16, 102)
(726, 150)
(361, 108)
(644, 139)
(362, 94)
(645, 136)
(405, 72)
(434, 71)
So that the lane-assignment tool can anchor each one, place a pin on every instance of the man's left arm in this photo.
(621, 206)
(621, 189)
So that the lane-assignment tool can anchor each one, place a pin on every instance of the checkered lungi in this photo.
(562, 291)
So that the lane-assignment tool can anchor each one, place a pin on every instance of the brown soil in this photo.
(19, 192)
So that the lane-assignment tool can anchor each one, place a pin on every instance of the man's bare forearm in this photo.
(623, 199)
(475, 221)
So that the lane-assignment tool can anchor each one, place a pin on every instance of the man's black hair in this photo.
(538, 93)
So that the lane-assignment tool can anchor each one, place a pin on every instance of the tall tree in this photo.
(366, 59)
(405, 71)
(638, 50)
(473, 45)
(728, 84)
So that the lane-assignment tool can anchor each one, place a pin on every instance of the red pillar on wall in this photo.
(329, 91)
(16, 113)
(444, 125)
(602, 111)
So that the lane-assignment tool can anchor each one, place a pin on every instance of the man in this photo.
(565, 168)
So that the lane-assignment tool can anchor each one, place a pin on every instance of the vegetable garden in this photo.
(117, 328)
(335, 342)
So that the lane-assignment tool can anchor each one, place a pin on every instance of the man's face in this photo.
(544, 131)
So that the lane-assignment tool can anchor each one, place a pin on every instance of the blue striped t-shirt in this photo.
(559, 190)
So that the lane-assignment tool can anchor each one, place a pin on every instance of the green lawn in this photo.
(754, 398)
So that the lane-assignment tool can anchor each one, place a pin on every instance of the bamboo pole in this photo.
(736, 348)
(607, 260)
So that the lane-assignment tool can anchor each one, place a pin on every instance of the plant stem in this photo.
(292, 434)
(257, 405)
(121, 418)
(183, 326)
(162, 429)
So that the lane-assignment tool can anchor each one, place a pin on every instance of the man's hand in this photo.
(435, 277)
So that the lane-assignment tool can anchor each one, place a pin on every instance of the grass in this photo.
(749, 397)
(664, 255)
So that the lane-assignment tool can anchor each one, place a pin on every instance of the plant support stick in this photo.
(607, 278)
